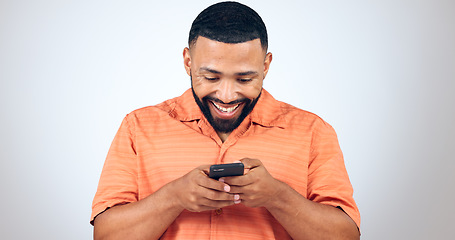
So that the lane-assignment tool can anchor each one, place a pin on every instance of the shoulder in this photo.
(295, 116)
(271, 112)
(154, 112)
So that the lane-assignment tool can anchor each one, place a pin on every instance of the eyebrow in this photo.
(247, 73)
(209, 70)
(218, 72)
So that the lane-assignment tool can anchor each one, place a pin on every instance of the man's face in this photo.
(226, 79)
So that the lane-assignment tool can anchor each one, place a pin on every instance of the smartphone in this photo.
(226, 170)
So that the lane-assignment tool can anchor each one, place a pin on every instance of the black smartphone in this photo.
(226, 170)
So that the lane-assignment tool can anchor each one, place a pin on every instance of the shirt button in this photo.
(219, 211)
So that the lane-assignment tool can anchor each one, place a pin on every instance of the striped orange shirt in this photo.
(158, 144)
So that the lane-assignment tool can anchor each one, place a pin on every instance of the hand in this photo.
(196, 192)
(257, 187)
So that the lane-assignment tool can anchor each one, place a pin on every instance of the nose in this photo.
(227, 91)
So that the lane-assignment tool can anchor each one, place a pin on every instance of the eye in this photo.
(244, 80)
(211, 78)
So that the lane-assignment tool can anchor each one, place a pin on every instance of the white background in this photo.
(381, 72)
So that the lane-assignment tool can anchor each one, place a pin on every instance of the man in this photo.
(154, 182)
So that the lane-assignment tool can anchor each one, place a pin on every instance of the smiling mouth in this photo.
(224, 109)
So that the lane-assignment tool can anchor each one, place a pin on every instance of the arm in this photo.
(138, 220)
(305, 219)
(151, 216)
(131, 218)
(302, 218)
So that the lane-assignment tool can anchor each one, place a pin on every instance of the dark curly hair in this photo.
(229, 22)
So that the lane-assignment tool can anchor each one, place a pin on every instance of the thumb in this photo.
(250, 163)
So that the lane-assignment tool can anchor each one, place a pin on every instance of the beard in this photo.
(225, 125)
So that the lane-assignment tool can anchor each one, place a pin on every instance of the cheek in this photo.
(253, 91)
(201, 89)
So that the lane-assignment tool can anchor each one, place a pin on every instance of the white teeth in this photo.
(223, 109)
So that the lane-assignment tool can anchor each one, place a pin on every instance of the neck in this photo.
(223, 135)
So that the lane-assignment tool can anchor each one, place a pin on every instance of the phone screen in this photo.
(226, 170)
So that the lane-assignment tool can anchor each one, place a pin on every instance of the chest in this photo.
(285, 154)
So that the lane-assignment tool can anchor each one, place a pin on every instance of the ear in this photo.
(267, 61)
(187, 61)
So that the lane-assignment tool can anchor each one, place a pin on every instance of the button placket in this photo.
(219, 211)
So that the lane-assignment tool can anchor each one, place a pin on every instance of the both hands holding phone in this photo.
(247, 182)
(226, 170)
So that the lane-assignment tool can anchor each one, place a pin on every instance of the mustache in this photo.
(241, 100)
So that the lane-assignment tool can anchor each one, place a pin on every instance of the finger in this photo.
(202, 199)
(215, 199)
(207, 204)
(212, 184)
(250, 163)
(214, 195)
(205, 169)
(239, 181)
(239, 190)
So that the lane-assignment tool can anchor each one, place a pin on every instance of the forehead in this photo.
(213, 54)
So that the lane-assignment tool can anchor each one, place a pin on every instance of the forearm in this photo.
(145, 219)
(304, 219)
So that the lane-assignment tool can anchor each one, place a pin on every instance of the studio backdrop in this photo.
(382, 73)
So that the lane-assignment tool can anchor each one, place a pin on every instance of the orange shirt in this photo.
(158, 144)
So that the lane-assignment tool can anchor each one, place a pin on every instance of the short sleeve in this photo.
(328, 180)
(118, 181)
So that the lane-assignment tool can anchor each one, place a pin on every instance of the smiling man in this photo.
(226, 79)
(154, 182)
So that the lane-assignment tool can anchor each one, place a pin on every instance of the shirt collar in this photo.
(268, 112)
(184, 108)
